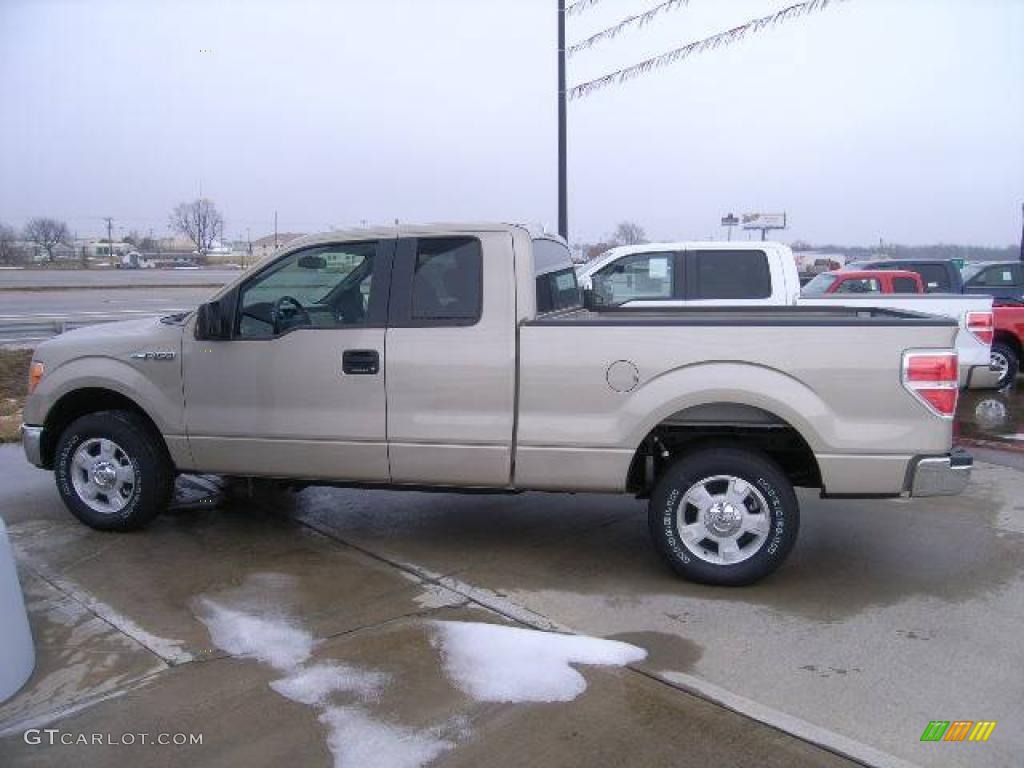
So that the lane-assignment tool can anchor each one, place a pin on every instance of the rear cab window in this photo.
(903, 285)
(555, 277)
(740, 274)
(437, 281)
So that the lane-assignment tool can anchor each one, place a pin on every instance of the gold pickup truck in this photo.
(463, 357)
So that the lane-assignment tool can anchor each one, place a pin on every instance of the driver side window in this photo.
(325, 286)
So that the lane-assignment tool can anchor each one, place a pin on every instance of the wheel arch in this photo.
(85, 400)
(1011, 340)
(723, 424)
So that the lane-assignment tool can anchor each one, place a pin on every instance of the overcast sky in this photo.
(899, 119)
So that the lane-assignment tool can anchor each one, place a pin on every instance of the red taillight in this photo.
(981, 324)
(934, 379)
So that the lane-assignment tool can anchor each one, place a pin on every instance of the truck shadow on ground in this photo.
(851, 555)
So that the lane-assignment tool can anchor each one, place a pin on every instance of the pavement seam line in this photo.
(104, 613)
(47, 718)
(791, 726)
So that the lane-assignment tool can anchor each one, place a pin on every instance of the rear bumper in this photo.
(32, 444)
(941, 475)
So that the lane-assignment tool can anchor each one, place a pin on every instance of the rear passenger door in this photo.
(451, 362)
(729, 277)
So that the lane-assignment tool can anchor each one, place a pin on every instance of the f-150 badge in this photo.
(152, 355)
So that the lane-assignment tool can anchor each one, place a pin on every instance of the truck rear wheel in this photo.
(1004, 360)
(724, 516)
(112, 471)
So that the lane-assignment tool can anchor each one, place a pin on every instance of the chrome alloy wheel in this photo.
(103, 476)
(723, 520)
(1001, 365)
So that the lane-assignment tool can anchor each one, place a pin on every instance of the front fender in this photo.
(157, 391)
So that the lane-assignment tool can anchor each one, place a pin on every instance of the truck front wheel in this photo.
(112, 471)
(724, 516)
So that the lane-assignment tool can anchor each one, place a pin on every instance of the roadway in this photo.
(49, 279)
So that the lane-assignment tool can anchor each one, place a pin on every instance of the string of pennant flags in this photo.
(722, 39)
(638, 20)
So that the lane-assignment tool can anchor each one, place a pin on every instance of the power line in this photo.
(734, 35)
(638, 20)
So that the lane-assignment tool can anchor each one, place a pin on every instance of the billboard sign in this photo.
(764, 220)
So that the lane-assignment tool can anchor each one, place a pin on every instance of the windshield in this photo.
(819, 285)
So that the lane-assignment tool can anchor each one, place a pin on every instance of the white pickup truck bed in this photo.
(658, 275)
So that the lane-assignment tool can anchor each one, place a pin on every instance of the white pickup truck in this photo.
(709, 274)
(460, 357)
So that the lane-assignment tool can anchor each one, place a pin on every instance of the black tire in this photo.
(140, 448)
(1009, 354)
(766, 482)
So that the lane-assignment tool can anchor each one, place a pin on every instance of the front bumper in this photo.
(942, 475)
(32, 444)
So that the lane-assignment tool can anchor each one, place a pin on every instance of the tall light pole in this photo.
(563, 202)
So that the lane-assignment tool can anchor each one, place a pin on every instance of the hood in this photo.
(120, 339)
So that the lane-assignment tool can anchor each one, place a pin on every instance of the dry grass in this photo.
(13, 384)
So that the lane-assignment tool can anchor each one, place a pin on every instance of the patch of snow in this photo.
(274, 641)
(315, 683)
(434, 596)
(491, 662)
(356, 739)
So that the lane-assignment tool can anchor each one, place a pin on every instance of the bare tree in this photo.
(9, 251)
(200, 222)
(47, 233)
(629, 233)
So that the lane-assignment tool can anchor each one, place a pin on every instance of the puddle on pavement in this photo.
(664, 650)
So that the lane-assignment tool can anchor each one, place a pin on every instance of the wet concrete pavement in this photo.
(123, 649)
(887, 615)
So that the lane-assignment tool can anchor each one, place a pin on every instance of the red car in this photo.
(865, 281)
(1008, 341)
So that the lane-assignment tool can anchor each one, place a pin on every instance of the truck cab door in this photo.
(451, 365)
(297, 388)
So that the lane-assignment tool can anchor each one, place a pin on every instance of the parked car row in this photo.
(1001, 280)
(708, 274)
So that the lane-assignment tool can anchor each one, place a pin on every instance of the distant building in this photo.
(96, 249)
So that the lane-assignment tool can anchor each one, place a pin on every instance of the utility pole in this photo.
(248, 238)
(275, 230)
(1022, 232)
(563, 200)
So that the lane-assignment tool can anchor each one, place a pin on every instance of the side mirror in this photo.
(312, 262)
(213, 320)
